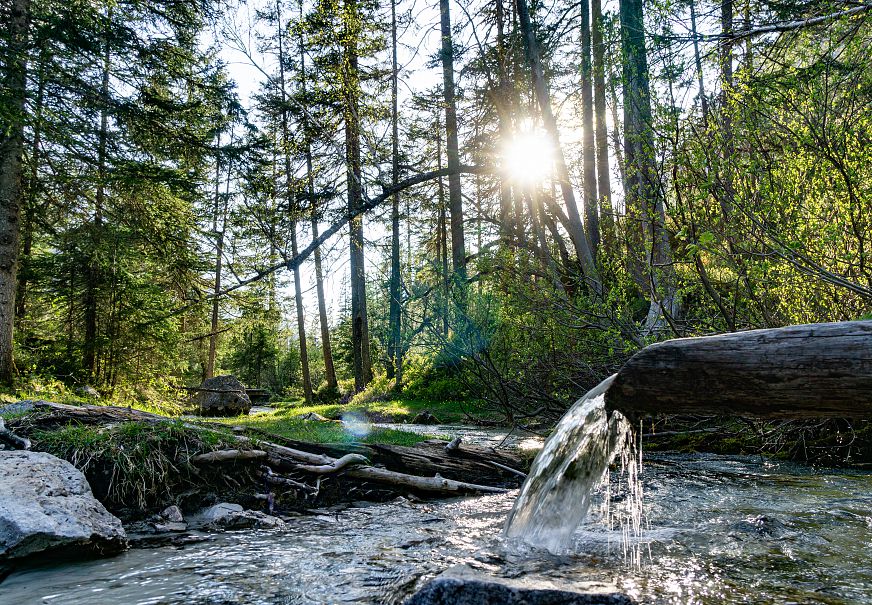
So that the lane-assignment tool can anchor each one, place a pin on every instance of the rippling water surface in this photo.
(718, 529)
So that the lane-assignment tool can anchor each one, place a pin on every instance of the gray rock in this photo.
(425, 417)
(232, 516)
(312, 416)
(222, 396)
(89, 391)
(463, 586)
(172, 514)
(46, 504)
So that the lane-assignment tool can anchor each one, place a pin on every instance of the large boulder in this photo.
(461, 585)
(222, 396)
(46, 504)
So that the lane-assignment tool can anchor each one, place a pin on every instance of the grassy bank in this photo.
(289, 425)
(399, 410)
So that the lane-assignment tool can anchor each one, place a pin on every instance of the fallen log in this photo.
(226, 455)
(814, 370)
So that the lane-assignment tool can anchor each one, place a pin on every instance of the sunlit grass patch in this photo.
(331, 431)
(396, 410)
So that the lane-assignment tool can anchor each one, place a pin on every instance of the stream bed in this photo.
(718, 529)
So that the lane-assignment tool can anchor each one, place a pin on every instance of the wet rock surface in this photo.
(226, 515)
(462, 585)
(46, 505)
(222, 396)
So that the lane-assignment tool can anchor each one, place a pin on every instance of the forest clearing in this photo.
(462, 301)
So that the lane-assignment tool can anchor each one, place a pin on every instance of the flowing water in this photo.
(712, 529)
(557, 494)
(718, 529)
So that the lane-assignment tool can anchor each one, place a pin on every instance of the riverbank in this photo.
(138, 463)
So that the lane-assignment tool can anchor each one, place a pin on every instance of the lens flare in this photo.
(529, 157)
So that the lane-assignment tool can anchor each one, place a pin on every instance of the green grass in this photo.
(395, 410)
(132, 464)
(291, 427)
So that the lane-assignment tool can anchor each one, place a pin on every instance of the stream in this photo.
(717, 529)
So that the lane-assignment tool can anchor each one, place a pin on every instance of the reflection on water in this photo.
(719, 529)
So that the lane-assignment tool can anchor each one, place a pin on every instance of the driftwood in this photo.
(815, 370)
(225, 455)
(335, 466)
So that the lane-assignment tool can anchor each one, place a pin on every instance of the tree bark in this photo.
(219, 260)
(646, 218)
(591, 199)
(31, 198)
(292, 209)
(452, 147)
(13, 93)
(360, 328)
(604, 184)
(326, 349)
(503, 115)
(395, 346)
(703, 101)
(814, 370)
(442, 233)
(93, 276)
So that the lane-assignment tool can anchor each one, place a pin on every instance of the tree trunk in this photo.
(703, 101)
(360, 328)
(504, 117)
(93, 278)
(442, 232)
(13, 92)
(301, 323)
(219, 260)
(645, 211)
(576, 233)
(591, 199)
(455, 194)
(395, 348)
(814, 370)
(602, 136)
(31, 198)
(292, 209)
(326, 349)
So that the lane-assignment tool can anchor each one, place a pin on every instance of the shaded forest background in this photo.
(710, 170)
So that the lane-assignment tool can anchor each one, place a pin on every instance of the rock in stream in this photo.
(46, 505)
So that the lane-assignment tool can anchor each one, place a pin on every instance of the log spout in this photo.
(814, 370)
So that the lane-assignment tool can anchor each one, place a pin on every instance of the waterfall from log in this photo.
(557, 494)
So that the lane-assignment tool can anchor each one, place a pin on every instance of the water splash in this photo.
(559, 489)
